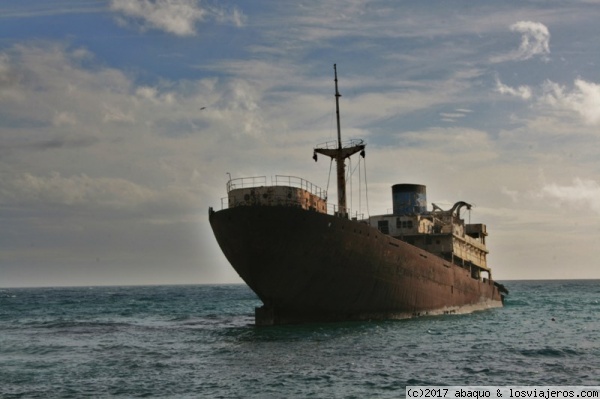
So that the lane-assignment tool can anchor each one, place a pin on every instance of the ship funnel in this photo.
(409, 199)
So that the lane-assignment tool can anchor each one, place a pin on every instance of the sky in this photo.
(121, 119)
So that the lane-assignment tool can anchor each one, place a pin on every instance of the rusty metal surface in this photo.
(276, 196)
(309, 266)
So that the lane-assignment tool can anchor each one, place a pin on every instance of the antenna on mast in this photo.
(339, 152)
(337, 107)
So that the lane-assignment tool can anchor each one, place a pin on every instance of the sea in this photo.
(199, 341)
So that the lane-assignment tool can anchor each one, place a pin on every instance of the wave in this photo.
(549, 352)
(77, 326)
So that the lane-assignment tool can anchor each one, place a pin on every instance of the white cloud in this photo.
(114, 114)
(64, 119)
(523, 92)
(100, 196)
(76, 190)
(512, 194)
(455, 140)
(5, 70)
(582, 192)
(454, 116)
(234, 16)
(238, 17)
(583, 99)
(173, 16)
(178, 17)
(535, 41)
(92, 128)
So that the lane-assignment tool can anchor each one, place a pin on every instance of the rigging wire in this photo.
(366, 187)
(349, 177)
(329, 176)
(359, 189)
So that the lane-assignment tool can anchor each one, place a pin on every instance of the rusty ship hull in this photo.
(308, 266)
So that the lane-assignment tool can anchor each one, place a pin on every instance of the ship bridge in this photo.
(447, 237)
(440, 232)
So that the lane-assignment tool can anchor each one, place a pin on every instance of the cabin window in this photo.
(404, 224)
(383, 226)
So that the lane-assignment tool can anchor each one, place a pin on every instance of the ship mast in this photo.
(340, 152)
(337, 107)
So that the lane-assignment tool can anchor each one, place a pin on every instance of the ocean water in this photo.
(199, 342)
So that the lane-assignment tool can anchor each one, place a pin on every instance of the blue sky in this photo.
(119, 120)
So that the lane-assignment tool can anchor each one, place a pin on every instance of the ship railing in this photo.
(277, 180)
(293, 181)
(283, 200)
(246, 182)
(332, 145)
(332, 209)
(278, 200)
(285, 181)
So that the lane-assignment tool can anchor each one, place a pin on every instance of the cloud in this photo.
(92, 127)
(6, 73)
(535, 41)
(584, 99)
(114, 114)
(582, 193)
(512, 194)
(52, 92)
(76, 190)
(455, 115)
(173, 16)
(51, 144)
(93, 198)
(64, 119)
(523, 92)
(234, 16)
(45, 9)
(178, 17)
(54, 97)
(455, 140)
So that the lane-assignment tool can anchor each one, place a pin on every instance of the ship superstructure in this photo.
(442, 233)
